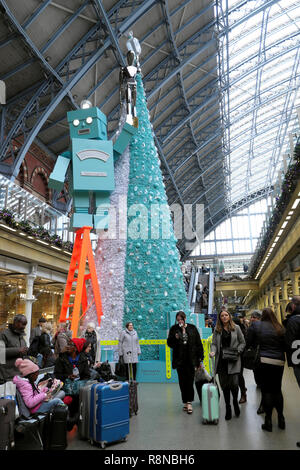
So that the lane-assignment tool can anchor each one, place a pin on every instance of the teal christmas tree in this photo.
(153, 281)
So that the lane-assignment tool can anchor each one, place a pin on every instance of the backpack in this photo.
(34, 347)
(105, 371)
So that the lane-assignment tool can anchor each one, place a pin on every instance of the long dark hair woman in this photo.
(188, 353)
(268, 334)
(228, 339)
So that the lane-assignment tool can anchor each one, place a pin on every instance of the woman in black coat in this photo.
(185, 341)
(269, 335)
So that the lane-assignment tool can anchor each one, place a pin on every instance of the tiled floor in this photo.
(162, 425)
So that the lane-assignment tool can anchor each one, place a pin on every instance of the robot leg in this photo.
(81, 216)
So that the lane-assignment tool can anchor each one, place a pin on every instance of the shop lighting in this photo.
(295, 204)
(8, 228)
(44, 243)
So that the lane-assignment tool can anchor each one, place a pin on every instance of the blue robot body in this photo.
(93, 165)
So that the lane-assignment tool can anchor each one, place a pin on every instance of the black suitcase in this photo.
(133, 395)
(7, 423)
(55, 429)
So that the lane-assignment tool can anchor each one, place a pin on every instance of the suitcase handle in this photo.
(117, 386)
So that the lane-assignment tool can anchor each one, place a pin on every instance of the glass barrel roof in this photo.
(261, 67)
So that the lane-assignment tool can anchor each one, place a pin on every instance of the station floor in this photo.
(162, 425)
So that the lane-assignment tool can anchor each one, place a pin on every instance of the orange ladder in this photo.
(82, 251)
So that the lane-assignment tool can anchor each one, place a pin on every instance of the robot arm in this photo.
(58, 175)
(123, 140)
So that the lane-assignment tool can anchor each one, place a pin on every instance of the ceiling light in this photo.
(284, 225)
(295, 204)
(280, 232)
(291, 212)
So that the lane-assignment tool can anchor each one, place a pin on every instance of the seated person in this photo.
(72, 367)
(48, 359)
(36, 400)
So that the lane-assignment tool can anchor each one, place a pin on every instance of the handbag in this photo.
(201, 375)
(230, 354)
(251, 358)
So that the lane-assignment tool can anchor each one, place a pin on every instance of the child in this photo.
(36, 400)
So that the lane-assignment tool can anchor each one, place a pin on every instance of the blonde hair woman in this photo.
(227, 345)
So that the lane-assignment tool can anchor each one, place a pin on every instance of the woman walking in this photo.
(188, 353)
(268, 334)
(227, 346)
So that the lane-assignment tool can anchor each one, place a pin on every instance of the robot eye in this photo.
(89, 120)
(76, 122)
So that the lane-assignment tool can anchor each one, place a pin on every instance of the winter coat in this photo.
(194, 344)
(92, 338)
(60, 342)
(45, 341)
(37, 331)
(63, 367)
(237, 342)
(129, 346)
(13, 341)
(32, 398)
(292, 325)
(271, 345)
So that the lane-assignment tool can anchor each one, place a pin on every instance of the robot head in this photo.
(87, 122)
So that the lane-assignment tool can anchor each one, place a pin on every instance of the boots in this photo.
(281, 421)
(267, 426)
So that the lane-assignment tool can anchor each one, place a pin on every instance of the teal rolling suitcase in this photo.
(210, 403)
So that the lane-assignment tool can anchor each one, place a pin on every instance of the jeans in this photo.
(39, 358)
(48, 405)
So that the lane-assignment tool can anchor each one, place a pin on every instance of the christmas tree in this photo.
(154, 285)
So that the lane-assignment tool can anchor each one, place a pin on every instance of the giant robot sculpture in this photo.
(90, 161)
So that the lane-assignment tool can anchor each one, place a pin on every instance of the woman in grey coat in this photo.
(227, 335)
(129, 348)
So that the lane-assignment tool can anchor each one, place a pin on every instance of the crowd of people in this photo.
(75, 360)
(272, 343)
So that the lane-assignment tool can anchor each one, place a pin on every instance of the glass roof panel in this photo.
(261, 65)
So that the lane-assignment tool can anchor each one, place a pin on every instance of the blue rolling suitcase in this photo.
(109, 412)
